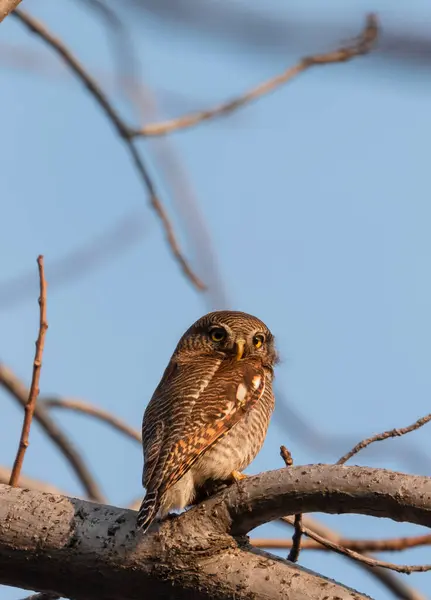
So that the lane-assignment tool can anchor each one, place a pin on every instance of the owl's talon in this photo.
(237, 476)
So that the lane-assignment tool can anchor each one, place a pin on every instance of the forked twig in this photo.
(363, 44)
(297, 524)
(384, 436)
(122, 129)
(34, 387)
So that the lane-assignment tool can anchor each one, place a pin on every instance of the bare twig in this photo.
(390, 580)
(6, 7)
(362, 45)
(388, 545)
(122, 129)
(384, 436)
(94, 411)
(372, 562)
(10, 382)
(34, 387)
(297, 524)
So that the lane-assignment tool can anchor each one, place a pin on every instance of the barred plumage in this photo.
(209, 414)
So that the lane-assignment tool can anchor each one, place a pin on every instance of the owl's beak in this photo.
(239, 348)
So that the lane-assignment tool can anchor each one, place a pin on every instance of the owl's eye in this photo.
(218, 334)
(258, 340)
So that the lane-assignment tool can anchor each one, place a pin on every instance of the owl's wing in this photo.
(195, 419)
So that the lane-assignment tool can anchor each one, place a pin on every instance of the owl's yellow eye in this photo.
(218, 334)
(258, 340)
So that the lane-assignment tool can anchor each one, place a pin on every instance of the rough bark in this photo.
(86, 550)
(6, 7)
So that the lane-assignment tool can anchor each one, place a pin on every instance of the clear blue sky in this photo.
(317, 200)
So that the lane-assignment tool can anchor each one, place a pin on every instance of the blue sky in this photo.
(316, 200)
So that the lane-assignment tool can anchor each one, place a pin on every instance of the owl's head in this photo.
(229, 334)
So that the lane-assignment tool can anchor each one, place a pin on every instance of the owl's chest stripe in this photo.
(239, 399)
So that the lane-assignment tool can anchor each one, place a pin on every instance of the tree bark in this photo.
(6, 7)
(86, 550)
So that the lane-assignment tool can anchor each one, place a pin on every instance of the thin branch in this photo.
(93, 411)
(372, 562)
(10, 382)
(297, 523)
(388, 545)
(6, 7)
(122, 129)
(391, 581)
(362, 45)
(384, 436)
(34, 387)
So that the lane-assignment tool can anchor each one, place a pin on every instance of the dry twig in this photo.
(390, 580)
(34, 387)
(10, 382)
(388, 545)
(384, 436)
(362, 45)
(94, 411)
(297, 524)
(372, 562)
(122, 129)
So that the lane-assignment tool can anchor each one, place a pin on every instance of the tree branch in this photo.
(93, 411)
(84, 550)
(122, 129)
(397, 432)
(18, 390)
(386, 545)
(363, 45)
(34, 387)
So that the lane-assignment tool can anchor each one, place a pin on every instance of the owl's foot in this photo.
(237, 476)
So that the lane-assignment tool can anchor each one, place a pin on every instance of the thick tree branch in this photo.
(83, 550)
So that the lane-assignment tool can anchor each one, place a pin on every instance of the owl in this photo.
(209, 415)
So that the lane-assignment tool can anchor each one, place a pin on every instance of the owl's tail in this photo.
(148, 511)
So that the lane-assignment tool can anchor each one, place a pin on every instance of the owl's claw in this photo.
(237, 476)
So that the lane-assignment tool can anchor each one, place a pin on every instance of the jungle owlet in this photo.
(209, 415)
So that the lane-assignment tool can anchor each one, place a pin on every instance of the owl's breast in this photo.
(236, 450)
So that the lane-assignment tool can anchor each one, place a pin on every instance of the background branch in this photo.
(363, 45)
(123, 131)
(18, 390)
